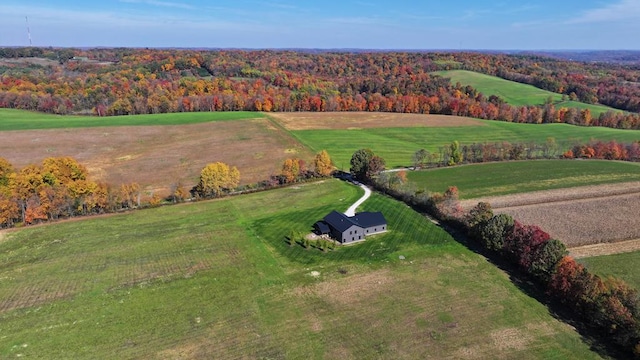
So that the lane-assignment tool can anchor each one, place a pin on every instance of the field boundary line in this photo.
(601, 249)
(565, 201)
(556, 196)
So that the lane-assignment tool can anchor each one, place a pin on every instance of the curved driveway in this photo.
(352, 210)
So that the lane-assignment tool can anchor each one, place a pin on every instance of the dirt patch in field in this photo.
(158, 156)
(354, 289)
(577, 216)
(367, 120)
(510, 339)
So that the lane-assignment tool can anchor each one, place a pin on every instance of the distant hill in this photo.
(630, 57)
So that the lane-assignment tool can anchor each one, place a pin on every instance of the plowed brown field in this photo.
(366, 120)
(579, 216)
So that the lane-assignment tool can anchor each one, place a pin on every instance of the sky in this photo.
(325, 24)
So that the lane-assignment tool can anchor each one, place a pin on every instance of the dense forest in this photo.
(140, 81)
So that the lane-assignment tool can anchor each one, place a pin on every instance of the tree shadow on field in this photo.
(597, 342)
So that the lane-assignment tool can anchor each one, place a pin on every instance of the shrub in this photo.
(494, 231)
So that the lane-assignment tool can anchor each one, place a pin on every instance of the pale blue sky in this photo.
(364, 24)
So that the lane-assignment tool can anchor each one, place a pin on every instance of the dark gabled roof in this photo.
(323, 227)
(339, 221)
(369, 219)
(342, 222)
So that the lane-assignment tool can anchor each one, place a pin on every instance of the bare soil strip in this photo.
(556, 195)
(589, 215)
(605, 249)
(367, 120)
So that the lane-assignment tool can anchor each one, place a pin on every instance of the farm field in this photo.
(577, 216)
(367, 120)
(158, 156)
(515, 93)
(504, 178)
(11, 119)
(398, 144)
(567, 198)
(624, 266)
(216, 280)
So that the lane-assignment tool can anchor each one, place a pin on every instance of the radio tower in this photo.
(28, 31)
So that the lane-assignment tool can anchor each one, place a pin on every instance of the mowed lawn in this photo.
(516, 93)
(216, 280)
(624, 266)
(397, 145)
(503, 178)
(11, 119)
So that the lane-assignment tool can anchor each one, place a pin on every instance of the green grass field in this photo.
(11, 119)
(397, 145)
(491, 179)
(623, 266)
(516, 93)
(216, 280)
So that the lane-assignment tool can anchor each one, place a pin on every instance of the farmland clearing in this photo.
(398, 144)
(579, 202)
(367, 120)
(622, 265)
(216, 279)
(577, 216)
(484, 180)
(515, 93)
(158, 156)
(11, 119)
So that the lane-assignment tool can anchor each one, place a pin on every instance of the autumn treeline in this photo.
(611, 150)
(60, 188)
(57, 188)
(162, 81)
(615, 85)
(296, 170)
(457, 154)
(608, 306)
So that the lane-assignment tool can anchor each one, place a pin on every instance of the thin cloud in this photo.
(48, 17)
(354, 20)
(167, 4)
(623, 10)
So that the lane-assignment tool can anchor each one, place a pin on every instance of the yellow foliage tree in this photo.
(216, 178)
(7, 174)
(291, 169)
(8, 211)
(323, 164)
